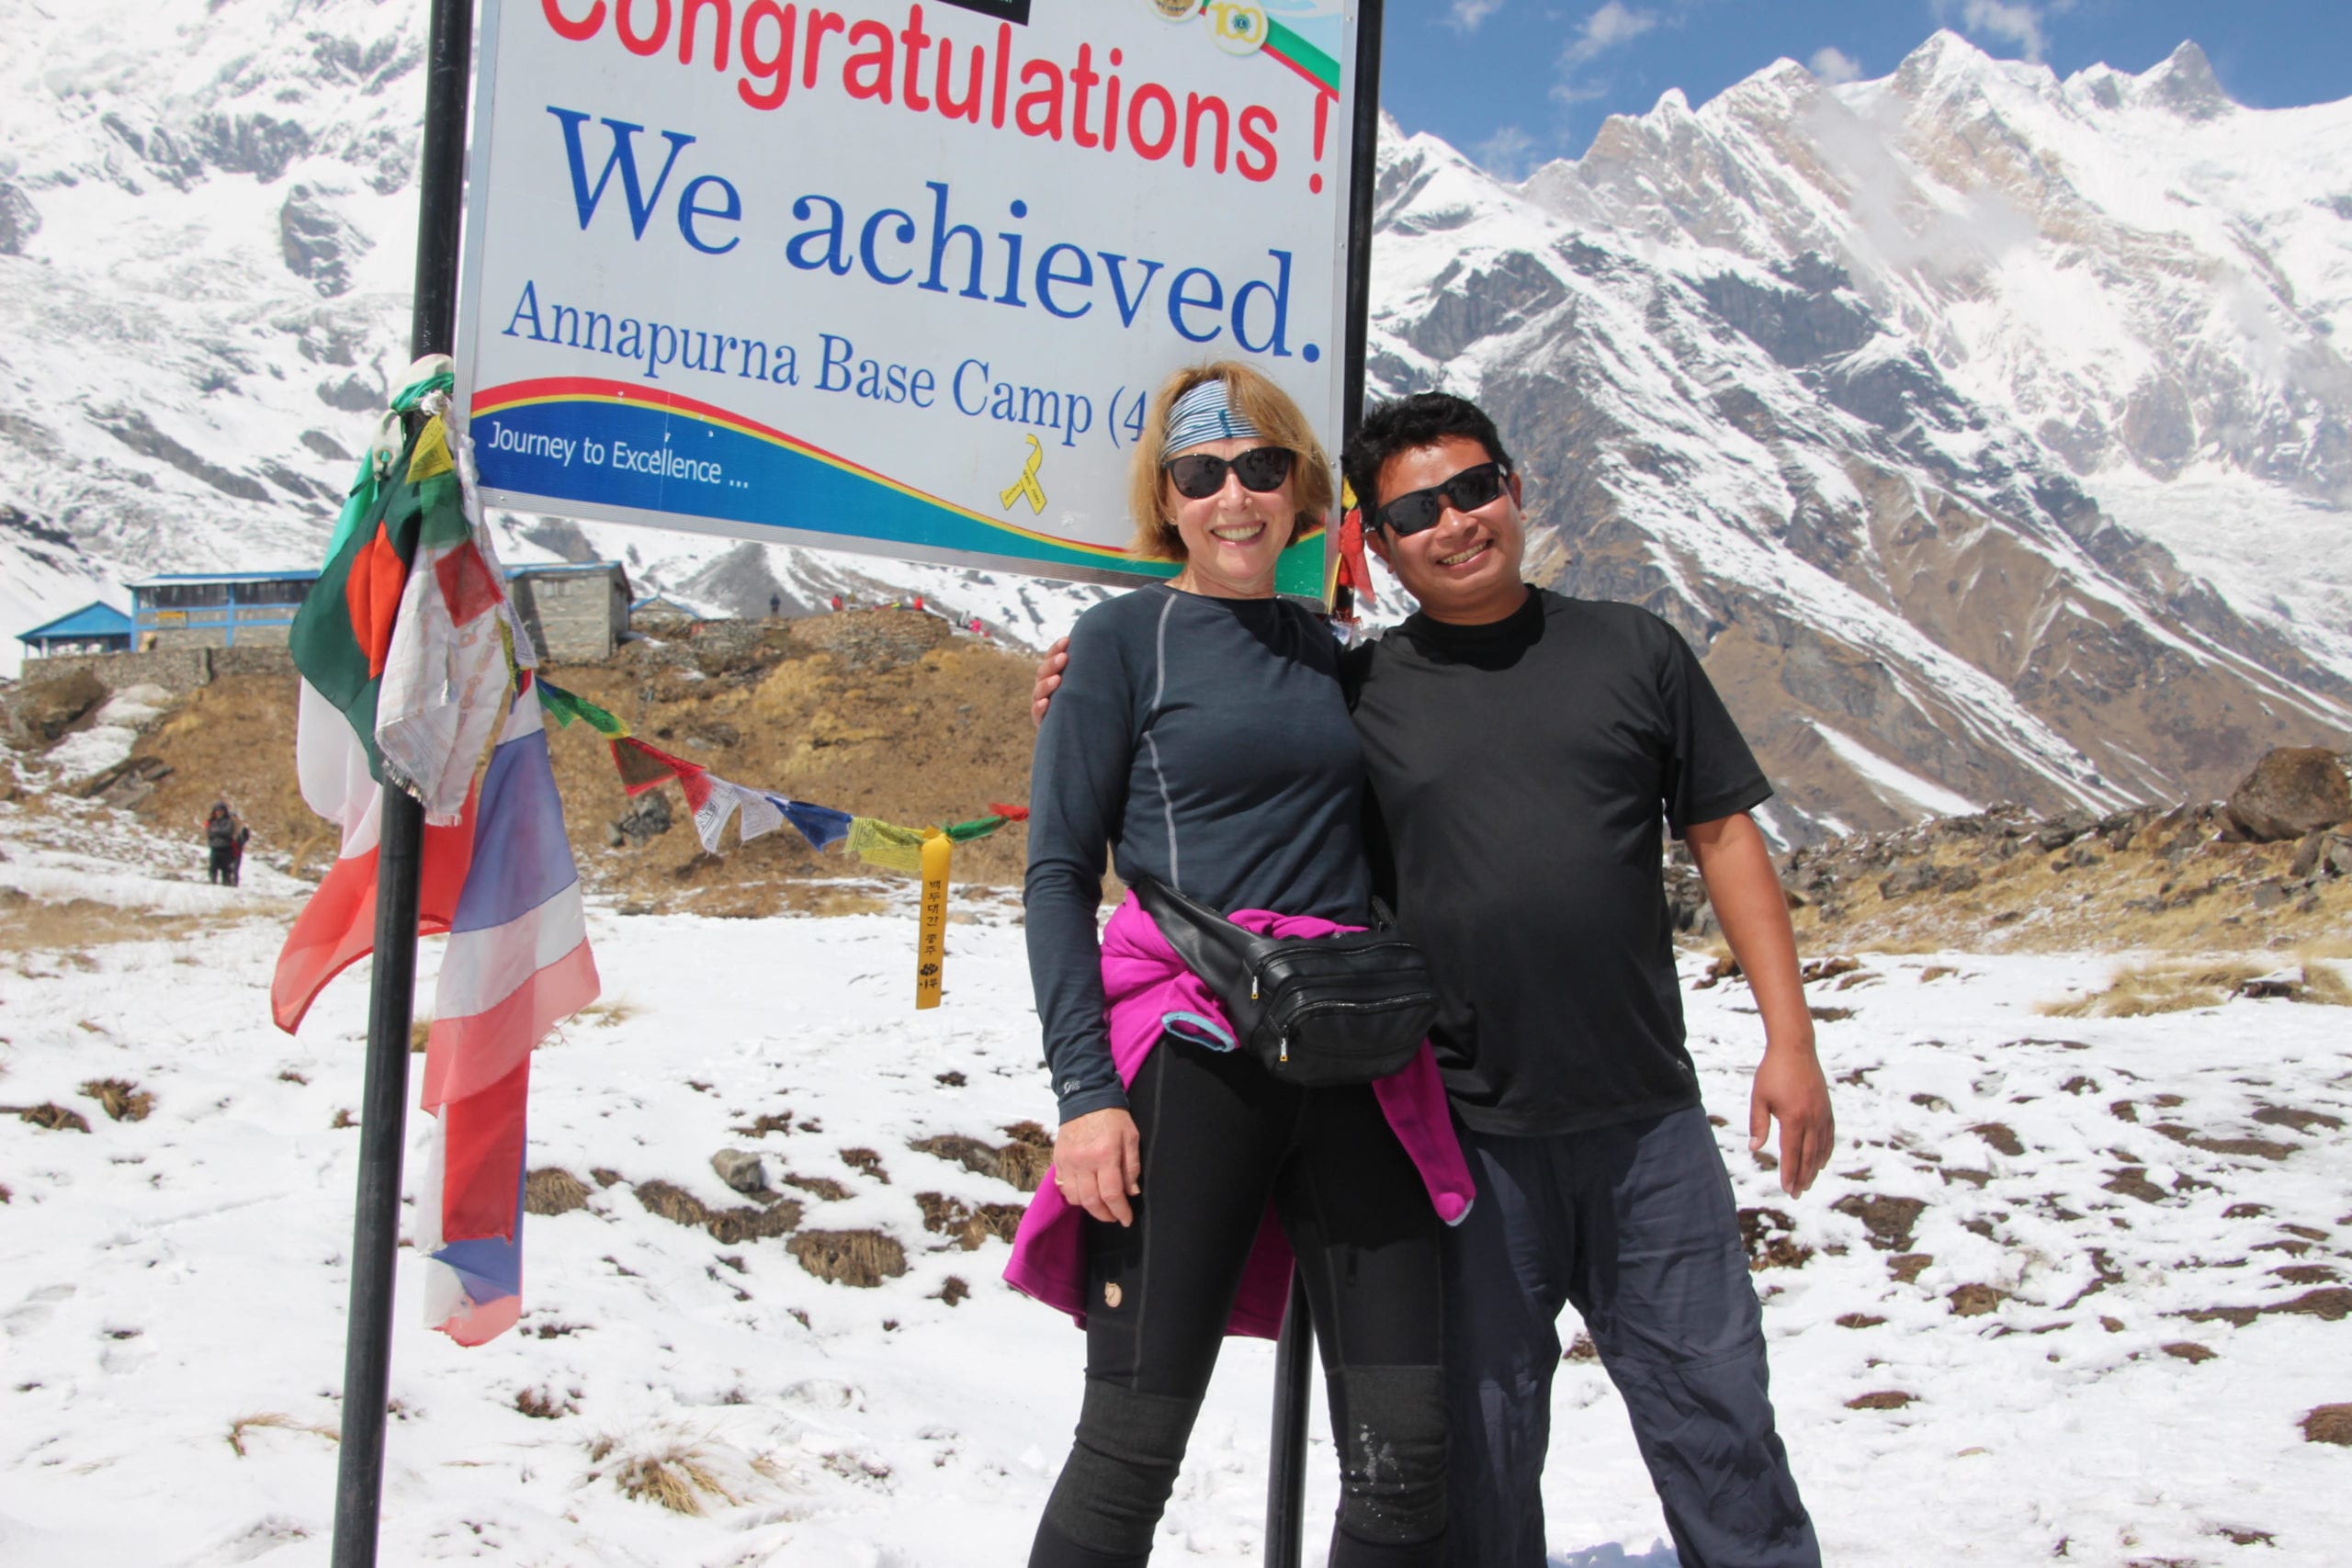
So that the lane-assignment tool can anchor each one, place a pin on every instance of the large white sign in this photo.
(893, 277)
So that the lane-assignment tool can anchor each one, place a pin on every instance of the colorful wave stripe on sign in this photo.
(669, 453)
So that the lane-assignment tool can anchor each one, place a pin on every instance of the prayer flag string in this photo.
(914, 851)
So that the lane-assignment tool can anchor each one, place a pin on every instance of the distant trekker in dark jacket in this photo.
(225, 835)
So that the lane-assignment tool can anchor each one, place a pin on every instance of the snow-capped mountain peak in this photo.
(1988, 431)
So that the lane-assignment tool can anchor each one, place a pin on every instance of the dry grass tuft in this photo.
(2324, 983)
(951, 1218)
(553, 1190)
(823, 1188)
(727, 1226)
(243, 1424)
(6, 1196)
(37, 925)
(677, 1478)
(121, 1100)
(682, 1473)
(605, 1015)
(1884, 1399)
(1888, 1221)
(859, 1259)
(420, 1035)
(1021, 1163)
(2143, 991)
(1975, 1300)
(1766, 1232)
(672, 1204)
(542, 1406)
(56, 1118)
(867, 1162)
(2329, 1424)
(768, 1121)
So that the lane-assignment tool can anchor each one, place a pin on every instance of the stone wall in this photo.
(261, 658)
(178, 670)
(174, 668)
(572, 617)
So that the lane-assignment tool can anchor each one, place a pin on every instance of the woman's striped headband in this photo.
(1203, 414)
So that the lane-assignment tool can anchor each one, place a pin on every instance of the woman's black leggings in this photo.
(1220, 1136)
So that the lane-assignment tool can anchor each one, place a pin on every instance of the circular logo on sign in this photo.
(1239, 26)
(1176, 10)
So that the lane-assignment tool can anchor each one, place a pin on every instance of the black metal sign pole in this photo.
(384, 1122)
(1294, 1351)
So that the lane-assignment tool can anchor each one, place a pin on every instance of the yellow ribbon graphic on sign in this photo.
(1027, 485)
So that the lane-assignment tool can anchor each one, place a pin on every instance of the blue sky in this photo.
(1513, 83)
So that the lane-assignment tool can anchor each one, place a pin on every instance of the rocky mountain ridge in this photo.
(1789, 369)
(1892, 395)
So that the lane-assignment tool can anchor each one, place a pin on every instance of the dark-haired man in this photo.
(1527, 754)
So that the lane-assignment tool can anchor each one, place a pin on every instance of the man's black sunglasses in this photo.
(1465, 491)
(1198, 475)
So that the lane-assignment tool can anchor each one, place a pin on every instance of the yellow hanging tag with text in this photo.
(931, 950)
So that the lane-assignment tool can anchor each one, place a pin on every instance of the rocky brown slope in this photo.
(2193, 877)
(889, 714)
(879, 713)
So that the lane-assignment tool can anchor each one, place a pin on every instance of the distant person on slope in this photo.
(1527, 752)
(1201, 740)
(220, 837)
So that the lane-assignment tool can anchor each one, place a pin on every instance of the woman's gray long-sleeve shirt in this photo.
(1201, 742)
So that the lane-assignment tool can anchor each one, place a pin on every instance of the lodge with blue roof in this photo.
(95, 628)
(572, 612)
(218, 609)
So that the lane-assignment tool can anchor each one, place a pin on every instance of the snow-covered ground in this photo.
(163, 1280)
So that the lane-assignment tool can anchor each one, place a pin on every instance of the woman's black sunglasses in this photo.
(1465, 491)
(1198, 476)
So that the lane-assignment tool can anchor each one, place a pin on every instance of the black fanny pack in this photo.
(1318, 1010)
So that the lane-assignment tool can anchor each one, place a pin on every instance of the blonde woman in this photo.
(1200, 739)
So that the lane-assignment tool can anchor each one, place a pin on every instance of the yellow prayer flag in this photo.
(432, 454)
(886, 845)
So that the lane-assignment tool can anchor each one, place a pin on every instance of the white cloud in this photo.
(1835, 66)
(1615, 23)
(2018, 23)
(1507, 154)
(1464, 16)
(1579, 90)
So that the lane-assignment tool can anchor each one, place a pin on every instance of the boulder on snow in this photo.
(2294, 790)
(742, 1170)
(45, 707)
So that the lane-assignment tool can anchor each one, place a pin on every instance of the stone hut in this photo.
(576, 613)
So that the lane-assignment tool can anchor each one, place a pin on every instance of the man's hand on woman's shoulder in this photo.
(1049, 677)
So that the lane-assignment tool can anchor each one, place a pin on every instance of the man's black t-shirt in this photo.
(1521, 773)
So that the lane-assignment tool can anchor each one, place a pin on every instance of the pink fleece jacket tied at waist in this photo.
(1146, 991)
